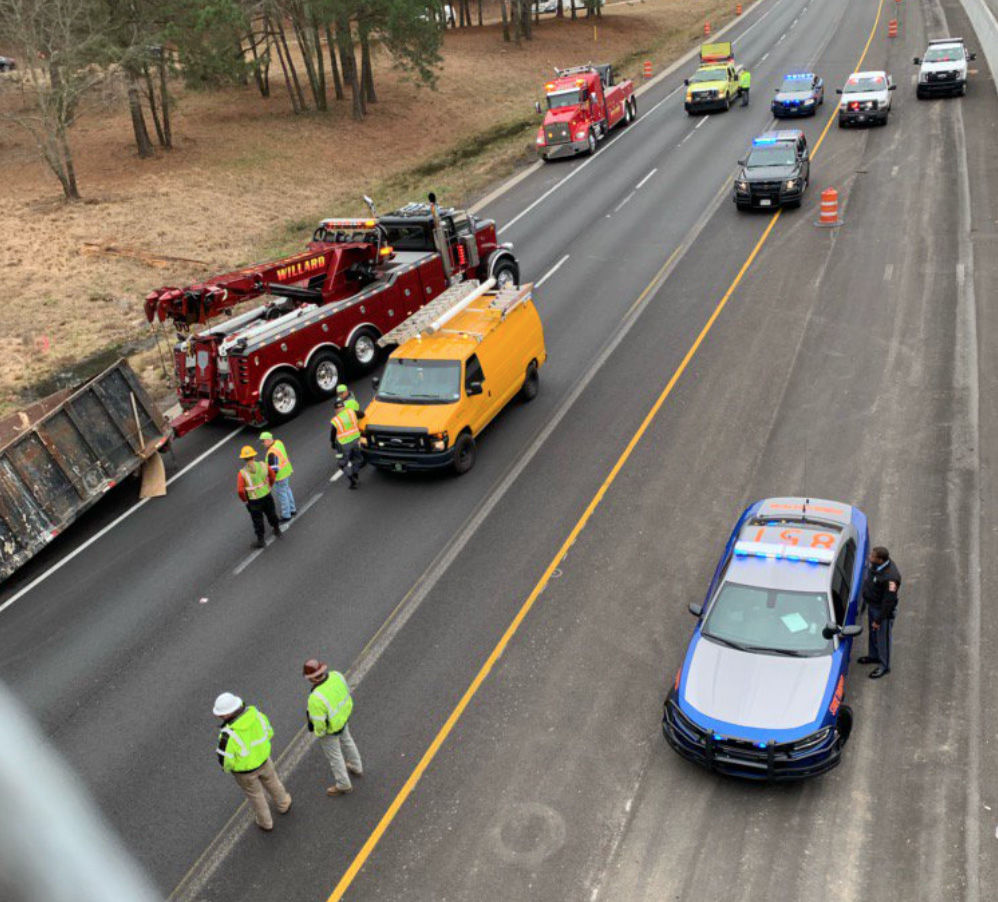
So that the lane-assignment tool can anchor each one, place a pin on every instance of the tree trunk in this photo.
(153, 107)
(164, 101)
(320, 69)
(291, 67)
(142, 141)
(348, 62)
(505, 21)
(560, 13)
(295, 107)
(259, 73)
(480, 13)
(333, 67)
(366, 72)
(298, 24)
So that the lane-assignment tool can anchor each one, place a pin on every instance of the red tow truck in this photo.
(582, 105)
(323, 310)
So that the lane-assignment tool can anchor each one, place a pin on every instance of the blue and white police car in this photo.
(760, 692)
(799, 94)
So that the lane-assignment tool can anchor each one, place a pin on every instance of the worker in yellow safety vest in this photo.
(344, 436)
(277, 460)
(346, 396)
(244, 751)
(329, 709)
(253, 487)
(744, 84)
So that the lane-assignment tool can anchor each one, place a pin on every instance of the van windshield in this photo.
(407, 381)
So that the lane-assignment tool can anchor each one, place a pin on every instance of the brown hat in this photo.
(315, 669)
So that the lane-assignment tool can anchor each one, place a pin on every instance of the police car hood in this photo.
(880, 96)
(755, 173)
(752, 689)
(803, 94)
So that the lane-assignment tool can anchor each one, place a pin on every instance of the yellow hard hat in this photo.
(247, 452)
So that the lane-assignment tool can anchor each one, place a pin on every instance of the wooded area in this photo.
(322, 49)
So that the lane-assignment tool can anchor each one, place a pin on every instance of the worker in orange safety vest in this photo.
(344, 436)
(253, 487)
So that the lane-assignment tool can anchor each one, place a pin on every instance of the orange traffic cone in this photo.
(892, 28)
(647, 68)
(829, 215)
(738, 9)
(706, 28)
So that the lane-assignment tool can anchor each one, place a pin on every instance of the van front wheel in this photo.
(464, 453)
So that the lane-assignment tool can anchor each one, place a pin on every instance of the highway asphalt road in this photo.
(852, 364)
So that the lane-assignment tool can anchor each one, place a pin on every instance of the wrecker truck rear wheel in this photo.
(282, 397)
(364, 350)
(323, 374)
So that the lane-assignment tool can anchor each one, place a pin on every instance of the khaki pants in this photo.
(254, 783)
(337, 745)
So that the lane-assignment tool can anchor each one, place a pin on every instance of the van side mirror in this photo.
(972, 56)
(537, 106)
(473, 388)
(892, 87)
(846, 632)
(917, 61)
(375, 382)
(741, 162)
(686, 81)
(695, 609)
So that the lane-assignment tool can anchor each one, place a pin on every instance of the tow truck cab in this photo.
(581, 105)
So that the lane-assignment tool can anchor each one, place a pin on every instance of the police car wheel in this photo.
(282, 397)
(963, 89)
(324, 373)
(464, 453)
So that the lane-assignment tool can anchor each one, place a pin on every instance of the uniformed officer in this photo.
(277, 460)
(744, 83)
(253, 487)
(880, 597)
(344, 436)
(244, 751)
(329, 709)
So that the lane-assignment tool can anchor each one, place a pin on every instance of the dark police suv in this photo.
(775, 173)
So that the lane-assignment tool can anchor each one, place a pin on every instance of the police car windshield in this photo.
(857, 85)
(774, 620)
(407, 381)
(942, 55)
(792, 84)
(709, 75)
(564, 99)
(770, 155)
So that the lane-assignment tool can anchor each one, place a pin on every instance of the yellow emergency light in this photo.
(387, 251)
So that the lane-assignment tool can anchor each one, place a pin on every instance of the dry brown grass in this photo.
(248, 180)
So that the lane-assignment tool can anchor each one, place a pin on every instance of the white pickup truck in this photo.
(943, 69)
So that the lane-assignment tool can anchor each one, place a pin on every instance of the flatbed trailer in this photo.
(61, 455)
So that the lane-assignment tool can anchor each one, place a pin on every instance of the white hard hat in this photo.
(226, 704)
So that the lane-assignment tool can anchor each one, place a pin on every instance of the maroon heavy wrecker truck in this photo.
(323, 311)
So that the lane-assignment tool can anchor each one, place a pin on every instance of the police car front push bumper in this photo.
(567, 149)
(940, 88)
(862, 117)
(773, 763)
(793, 111)
(769, 199)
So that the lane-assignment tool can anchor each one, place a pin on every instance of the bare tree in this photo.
(61, 43)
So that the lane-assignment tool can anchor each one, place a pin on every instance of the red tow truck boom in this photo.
(322, 310)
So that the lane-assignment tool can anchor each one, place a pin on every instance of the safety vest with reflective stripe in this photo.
(745, 79)
(284, 468)
(248, 741)
(255, 481)
(330, 704)
(346, 426)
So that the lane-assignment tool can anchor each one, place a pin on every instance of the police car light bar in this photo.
(763, 142)
(784, 552)
(792, 76)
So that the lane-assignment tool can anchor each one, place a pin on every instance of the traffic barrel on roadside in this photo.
(892, 28)
(829, 215)
(647, 68)
(706, 28)
(738, 9)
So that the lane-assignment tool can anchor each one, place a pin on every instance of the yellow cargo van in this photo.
(460, 360)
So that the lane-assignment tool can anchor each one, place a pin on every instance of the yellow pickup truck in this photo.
(459, 361)
(714, 86)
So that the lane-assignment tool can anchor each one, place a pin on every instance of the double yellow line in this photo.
(410, 784)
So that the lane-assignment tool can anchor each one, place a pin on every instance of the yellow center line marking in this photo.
(410, 784)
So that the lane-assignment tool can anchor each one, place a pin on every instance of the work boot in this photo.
(265, 829)
(879, 672)
(866, 659)
(338, 790)
(353, 480)
(356, 771)
(259, 543)
(277, 530)
(286, 810)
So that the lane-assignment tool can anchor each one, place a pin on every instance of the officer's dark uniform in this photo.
(880, 595)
